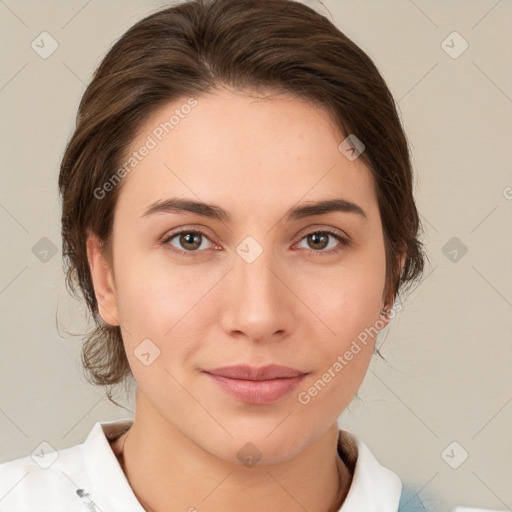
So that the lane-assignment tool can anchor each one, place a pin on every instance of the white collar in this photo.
(374, 488)
(110, 488)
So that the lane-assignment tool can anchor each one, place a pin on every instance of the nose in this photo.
(259, 303)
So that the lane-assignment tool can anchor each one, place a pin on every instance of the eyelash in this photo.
(343, 242)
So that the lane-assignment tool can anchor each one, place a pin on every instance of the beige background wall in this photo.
(449, 374)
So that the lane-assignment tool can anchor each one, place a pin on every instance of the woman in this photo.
(238, 214)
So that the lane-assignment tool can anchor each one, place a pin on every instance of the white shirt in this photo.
(87, 477)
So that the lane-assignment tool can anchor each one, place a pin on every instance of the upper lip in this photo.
(245, 372)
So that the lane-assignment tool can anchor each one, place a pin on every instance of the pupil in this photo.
(189, 239)
(315, 236)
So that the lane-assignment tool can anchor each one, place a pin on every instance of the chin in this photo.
(259, 445)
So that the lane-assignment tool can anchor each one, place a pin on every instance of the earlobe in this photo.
(103, 282)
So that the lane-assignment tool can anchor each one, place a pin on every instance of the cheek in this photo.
(153, 308)
(331, 391)
(152, 294)
(163, 303)
(348, 303)
(348, 298)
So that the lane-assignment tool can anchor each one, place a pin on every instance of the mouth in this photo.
(257, 386)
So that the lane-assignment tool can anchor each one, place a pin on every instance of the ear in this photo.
(400, 260)
(103, 282)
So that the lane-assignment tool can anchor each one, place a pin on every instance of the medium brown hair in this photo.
(193, 48)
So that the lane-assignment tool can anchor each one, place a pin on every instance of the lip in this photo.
(257, 386)
(246, 372)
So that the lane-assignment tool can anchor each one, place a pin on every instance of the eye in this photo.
(189, 241)
(319, 240)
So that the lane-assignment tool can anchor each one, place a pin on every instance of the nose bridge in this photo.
(258, 304)
(255, 278)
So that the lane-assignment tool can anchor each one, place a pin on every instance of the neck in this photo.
(159, 458)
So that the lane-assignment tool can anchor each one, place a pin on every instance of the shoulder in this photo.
(83, 478)
(50, 479)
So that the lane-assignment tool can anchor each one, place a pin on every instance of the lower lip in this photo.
(258, 392)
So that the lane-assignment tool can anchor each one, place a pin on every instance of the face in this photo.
(257, 286)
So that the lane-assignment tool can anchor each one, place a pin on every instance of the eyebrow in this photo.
(179, 206)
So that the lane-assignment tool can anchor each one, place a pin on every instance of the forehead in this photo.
(246, 151)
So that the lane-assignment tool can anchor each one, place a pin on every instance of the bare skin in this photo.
(299, 303)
